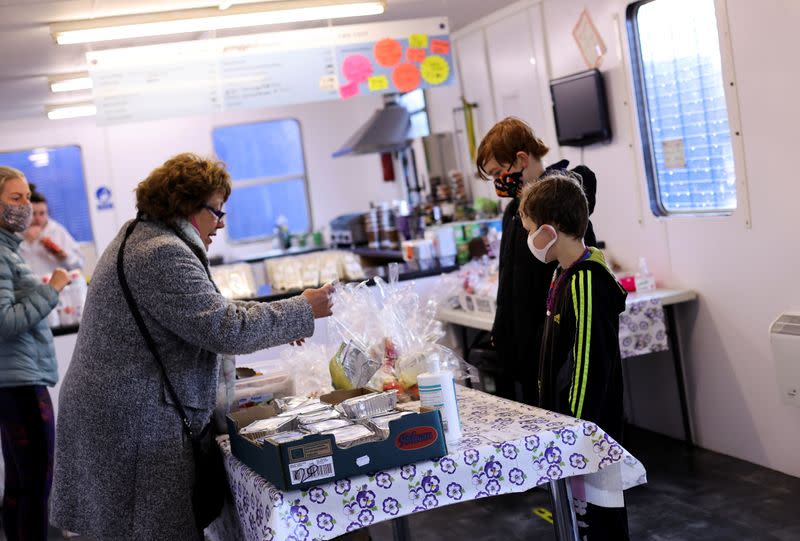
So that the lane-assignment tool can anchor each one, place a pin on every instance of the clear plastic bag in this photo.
(396, 332)
(309, 363)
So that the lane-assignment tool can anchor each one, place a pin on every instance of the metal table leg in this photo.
(564, 520)
(465, 341)
(675, 346)
(400, 529)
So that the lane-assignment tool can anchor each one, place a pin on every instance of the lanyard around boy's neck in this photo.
(557, 282)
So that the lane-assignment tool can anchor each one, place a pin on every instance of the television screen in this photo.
(580, 109)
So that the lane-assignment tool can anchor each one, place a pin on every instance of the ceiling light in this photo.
(73, 110)
(69, 83)
(204, 19)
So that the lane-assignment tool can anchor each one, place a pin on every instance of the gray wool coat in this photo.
(123, 465)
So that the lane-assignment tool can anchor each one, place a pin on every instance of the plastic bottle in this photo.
(437, 390)
(79, 291)
(644, 280)
(53, 320)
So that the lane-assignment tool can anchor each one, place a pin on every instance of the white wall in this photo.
(745, 277)
(121, 156)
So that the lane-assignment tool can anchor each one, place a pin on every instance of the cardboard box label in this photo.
(415, 438)
(311, 470)
(309, 451)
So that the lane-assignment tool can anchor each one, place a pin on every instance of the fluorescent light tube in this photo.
(74, 110)
(201, 20)
(71, 83)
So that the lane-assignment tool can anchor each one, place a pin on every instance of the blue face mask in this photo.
(16, 218)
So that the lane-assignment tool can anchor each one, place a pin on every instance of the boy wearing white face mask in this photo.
(580, 372)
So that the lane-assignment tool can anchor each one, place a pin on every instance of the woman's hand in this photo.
(59, 279)
(320, 300)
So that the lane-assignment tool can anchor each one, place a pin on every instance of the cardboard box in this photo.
(316, 459)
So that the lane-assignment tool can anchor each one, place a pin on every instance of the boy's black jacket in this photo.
(522, 288)
(580, 370)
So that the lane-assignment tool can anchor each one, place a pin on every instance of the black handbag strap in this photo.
(151, 344)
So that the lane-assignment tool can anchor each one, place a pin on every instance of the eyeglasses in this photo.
(218, 213)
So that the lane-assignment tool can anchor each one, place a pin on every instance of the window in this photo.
(58, 174)
(267, 167)
(682, 111)
(414, 102)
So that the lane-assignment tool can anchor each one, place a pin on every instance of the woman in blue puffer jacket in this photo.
(27, 368)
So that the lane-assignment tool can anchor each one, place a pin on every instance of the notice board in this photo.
(268, 70)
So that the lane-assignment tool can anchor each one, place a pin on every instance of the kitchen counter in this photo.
(408, 271)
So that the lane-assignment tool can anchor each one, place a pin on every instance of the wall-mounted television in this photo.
(580, 109)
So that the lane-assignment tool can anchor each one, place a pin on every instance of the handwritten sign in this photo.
(406, 77)
(440, 46)
(415, 55)
(418, 41)
(267, 70)
(435, 70)
(388, 52)
(349, 90)
(377, 83)
(328, 82)
(357, 68)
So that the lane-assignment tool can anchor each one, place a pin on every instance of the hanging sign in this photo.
(268, 70)
(589, 41)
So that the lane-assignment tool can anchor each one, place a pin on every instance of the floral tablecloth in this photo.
(507, 447)
(642, 329)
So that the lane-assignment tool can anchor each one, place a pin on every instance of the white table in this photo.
(669, 298)
(507, 447)
(483, 321)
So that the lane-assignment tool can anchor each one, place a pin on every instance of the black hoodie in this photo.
(522, 290)
(580, 367)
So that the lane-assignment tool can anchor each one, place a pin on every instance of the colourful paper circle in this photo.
(406, 77)
(357, 68)
(388, 52)
(435, 70)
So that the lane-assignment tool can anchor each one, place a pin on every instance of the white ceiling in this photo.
(29, 54)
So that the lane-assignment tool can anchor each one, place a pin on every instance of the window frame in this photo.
(643, 119)
(269, 180)
(86, 191)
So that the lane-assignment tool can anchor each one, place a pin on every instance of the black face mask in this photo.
(508, 184)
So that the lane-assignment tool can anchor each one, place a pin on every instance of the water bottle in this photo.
(644, 280)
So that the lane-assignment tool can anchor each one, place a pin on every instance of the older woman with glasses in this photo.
(139, 393)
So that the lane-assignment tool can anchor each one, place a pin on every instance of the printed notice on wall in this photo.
(674, 154)
(589, 40)
(268, 70)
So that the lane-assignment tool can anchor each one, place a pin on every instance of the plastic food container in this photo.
(274, 381)
(477, 303)
(369, 405)
(352, 435)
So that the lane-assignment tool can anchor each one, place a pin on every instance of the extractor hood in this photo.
(387, 130)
